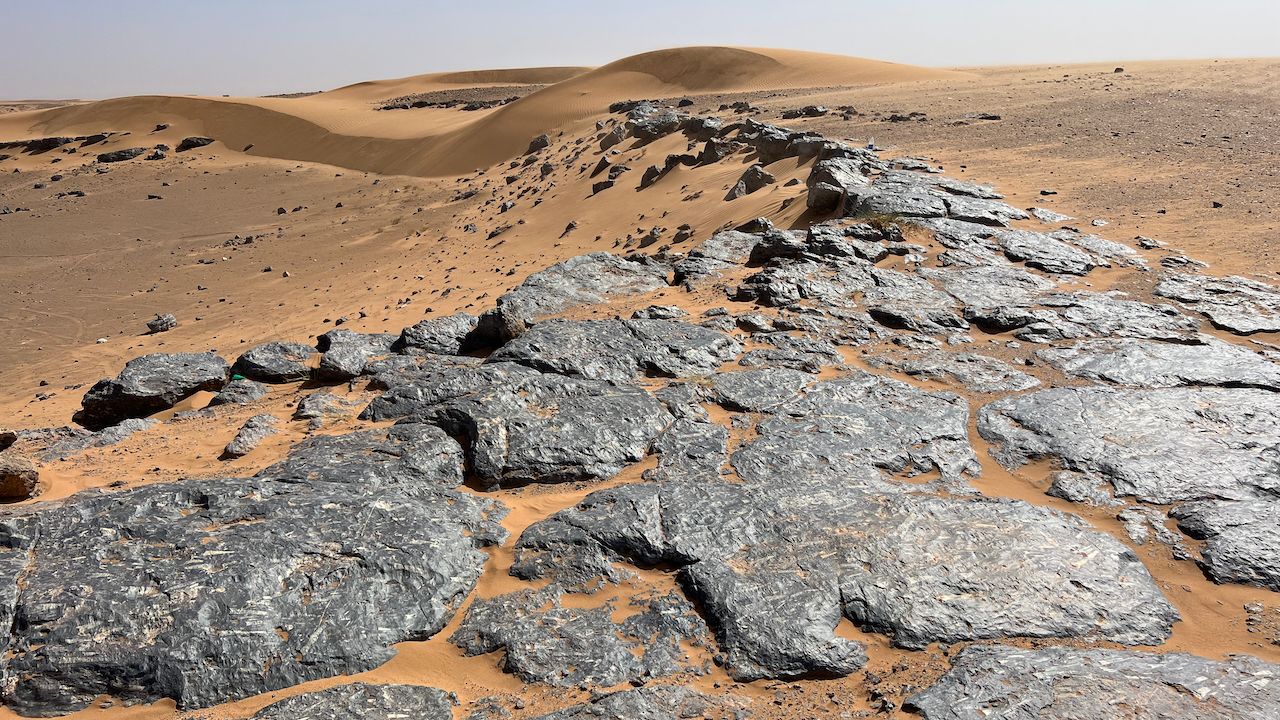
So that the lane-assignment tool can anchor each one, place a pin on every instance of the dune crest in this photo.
(342, 127)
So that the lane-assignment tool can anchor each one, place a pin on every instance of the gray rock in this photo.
(981, 211)
(859, 421)
(1145, 363)
(756, 390)
(793, 352)
(619, 349)
(120, 155)
(1048, 216)
(786, 558)
(521, 426)
(580, 280)
(978, 373)
(1086, 315)
(998, 682)
(755, 178)
(909, 204)
(442, 336)
(193, 142)
(149, 384)
(660, 702)
(1233, 303)
(162, 323)
(67, 442)
(402, 457)
(835, 181)
(1105, 252)
(251, 434)
(346, 354)
(239, 392)
(659, 312)
(275, 362)
(826, 284)
(546, 642)
(902, 301)
(1044, 252)
(363, 701)
(207, 591)
(320, 405)
(1242, 539)
(990, 286)
(1159, 446)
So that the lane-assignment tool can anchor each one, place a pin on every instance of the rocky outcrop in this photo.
(362, 701)
(441, 336)
(584, 279)
(275, 362)
(1237, 304)
(149, 384)
(1144, 363)
(997, 682)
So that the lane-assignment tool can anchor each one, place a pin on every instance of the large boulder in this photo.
(580, 280)
(149, 384)
(346, 353)
(998, 682)
(441, 336)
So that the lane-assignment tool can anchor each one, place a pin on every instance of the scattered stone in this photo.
(251, 434)
(1048, 216)
(120, 155)
(541, 142)
(162, 323)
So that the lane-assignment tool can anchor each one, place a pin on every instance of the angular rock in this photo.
(404, 457)
(251, 434)
(19, 479)
(999, 682)
(362, 701)
(755, 178)
(619, 349)
(521, 426)
(978, 373)
(1145, 363)
(1242, 539)
(442, 336)
(275, 362)
(757, 390)
(660, 702)
(1048, 216)
(1044, 252)
(346, 354)
(546, 642)
(121, 155)
(580, 280)
(1233, 303)
(193, 142)
(207, 591)
(239, 392)
(1160, 446)
(149, 384)
(162, 323)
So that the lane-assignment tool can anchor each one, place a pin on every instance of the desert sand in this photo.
(306, 213)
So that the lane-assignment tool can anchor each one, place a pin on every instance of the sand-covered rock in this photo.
(149, 384)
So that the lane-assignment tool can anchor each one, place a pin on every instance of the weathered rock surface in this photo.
(1160, 446)
(149, 384)
(275, 362)
(978, 373)
(362, 701)
(619, 349)
(442, 336)
(404, 457)
(347, 353)
(251, 434)
(787, 557)
(1044, 252)
(1154, 364)
(162, 323)
(522, 426)
(239, 392)
(998, 682)
(756, 390)
(120, 155)
(206, 591)
(660, 702)
(193, 142)
(1234, 303)
(546, 642)
(580, 280)
(1242, 539)
(19, 479)
(755, 178)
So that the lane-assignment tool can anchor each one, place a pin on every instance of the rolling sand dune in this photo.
(342, 128)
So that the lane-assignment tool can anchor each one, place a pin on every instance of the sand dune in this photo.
(342, 127)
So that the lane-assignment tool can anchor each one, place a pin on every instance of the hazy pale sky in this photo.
(94, 49)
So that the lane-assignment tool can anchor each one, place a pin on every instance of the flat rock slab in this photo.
(363, 701)
(1234, 303)
(410, 457)
(660, 702)
(545, 642)
(1144, 363)
(149, 384)
(521, 426)
(1160, 446)
(787, 558)
(206, 591)
(442, 336)
(346, 353)
(996, 682)
(580, 280)
(1242, 539)
(620, 349)
(861, 420)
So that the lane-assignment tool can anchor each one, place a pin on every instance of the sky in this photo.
(96, 49)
